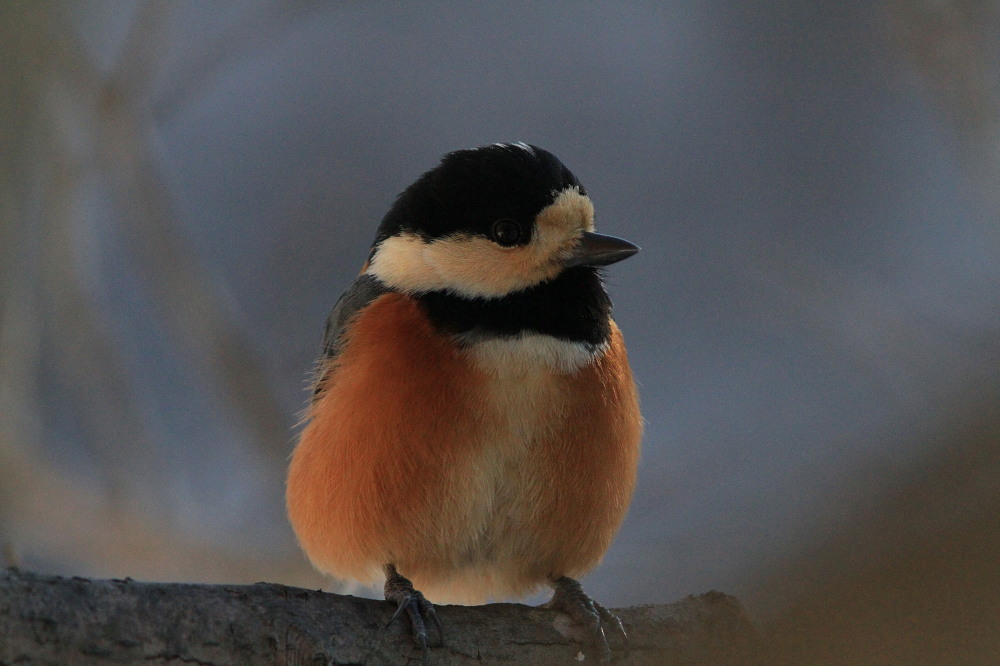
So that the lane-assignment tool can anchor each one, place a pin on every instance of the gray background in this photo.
(813, 320)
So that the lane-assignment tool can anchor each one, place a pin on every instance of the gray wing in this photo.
(359, 294)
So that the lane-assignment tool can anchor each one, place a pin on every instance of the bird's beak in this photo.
(599, 250)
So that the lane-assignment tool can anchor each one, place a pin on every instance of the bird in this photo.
(473, 432)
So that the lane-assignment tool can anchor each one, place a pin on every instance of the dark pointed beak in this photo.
(599, 250)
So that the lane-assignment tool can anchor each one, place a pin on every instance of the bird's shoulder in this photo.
(362, 292)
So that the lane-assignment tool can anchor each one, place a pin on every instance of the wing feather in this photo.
(365, 289)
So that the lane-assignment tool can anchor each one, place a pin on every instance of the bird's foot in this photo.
(592, 617)
(421, 612)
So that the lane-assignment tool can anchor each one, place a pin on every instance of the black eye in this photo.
(506, 232)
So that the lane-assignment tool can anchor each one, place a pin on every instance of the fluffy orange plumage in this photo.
(475, 483)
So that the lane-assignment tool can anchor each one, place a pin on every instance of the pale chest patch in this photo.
(526, 400)
(525, 389)
(530, 353)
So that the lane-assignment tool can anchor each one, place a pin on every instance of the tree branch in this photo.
(54, 620)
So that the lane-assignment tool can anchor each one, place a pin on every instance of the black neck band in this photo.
(573, 306)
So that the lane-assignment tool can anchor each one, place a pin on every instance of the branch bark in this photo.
(68, 621)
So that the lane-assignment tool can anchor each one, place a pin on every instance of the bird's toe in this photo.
(596, 620)
(420, 611)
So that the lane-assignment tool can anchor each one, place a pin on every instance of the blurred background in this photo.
(814, 321)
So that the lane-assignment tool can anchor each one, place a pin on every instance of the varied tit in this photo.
(474, 427)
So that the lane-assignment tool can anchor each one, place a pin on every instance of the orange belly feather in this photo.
(409, 457)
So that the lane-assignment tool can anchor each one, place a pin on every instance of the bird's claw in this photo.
(595, 619)
(420, 611)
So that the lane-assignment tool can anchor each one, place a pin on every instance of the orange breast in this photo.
(366, 477)
(590, 464)
(409, 457)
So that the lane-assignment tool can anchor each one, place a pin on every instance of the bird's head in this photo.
(489, 222)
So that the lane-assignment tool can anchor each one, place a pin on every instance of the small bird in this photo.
(474, 427)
